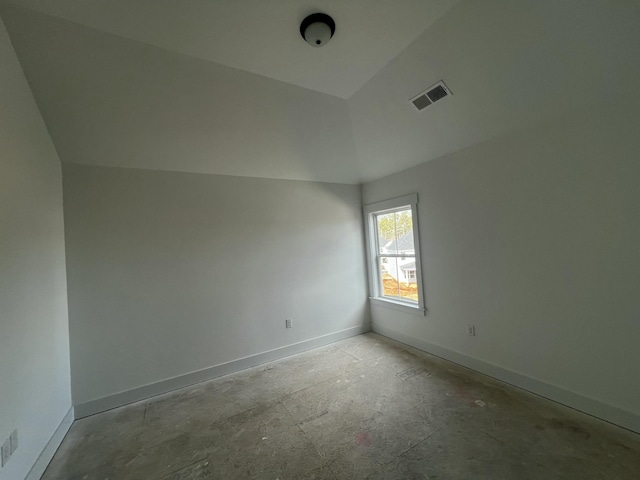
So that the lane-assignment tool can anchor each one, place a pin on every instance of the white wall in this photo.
(534, 239)
(34, 342)
(170, 273)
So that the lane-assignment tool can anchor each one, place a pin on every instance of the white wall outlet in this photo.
(471, 330)
(287, 323)
(13, 439)
(6, 451)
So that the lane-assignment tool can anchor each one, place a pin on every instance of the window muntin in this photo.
(394, 252)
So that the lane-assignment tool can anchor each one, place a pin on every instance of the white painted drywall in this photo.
(533, 238)
(510, 64)
(170, 273)
(35, 390)
(115, 102)
(264, 37)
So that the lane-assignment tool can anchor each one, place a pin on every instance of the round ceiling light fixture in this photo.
(317, 29)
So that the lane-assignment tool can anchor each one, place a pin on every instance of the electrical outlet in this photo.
(287, 323)
(471, 330)
(6, 451)
(13, 439)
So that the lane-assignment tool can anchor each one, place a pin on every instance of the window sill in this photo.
(401, 306)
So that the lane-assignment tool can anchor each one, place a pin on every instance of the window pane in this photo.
(404, 232)
(392, 251)
(385, 225)
(395, 232)
(398, 277)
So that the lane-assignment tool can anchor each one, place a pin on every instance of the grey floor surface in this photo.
(362, 408)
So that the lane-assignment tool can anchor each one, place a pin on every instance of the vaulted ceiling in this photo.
(229, 87)
(261, 36)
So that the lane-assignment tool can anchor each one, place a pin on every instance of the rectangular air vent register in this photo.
(430, 96)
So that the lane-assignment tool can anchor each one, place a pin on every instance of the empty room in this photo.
(332, 239)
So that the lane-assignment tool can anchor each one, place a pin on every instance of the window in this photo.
(394, 253)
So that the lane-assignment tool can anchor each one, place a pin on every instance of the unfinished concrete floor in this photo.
(361, 408)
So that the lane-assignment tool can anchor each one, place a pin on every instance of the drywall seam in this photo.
(38, 468)
(596, 408)
(129, 396)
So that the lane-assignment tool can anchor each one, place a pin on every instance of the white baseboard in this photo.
(129, 396)
(596, 408)
(50, 449)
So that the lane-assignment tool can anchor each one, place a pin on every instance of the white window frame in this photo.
(373, 252)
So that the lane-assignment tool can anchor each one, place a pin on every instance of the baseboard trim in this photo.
(134, 395)
(596, 408)
(51, 447)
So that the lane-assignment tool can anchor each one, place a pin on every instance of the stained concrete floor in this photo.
(362, 408)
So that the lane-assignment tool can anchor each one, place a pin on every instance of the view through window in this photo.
(393, 253)
(396, 255)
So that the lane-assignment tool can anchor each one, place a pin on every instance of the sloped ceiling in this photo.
(117, 87)
(262, 37)
(111, 101)
(510, 65)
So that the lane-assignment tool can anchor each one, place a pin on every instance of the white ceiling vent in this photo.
(430, 95)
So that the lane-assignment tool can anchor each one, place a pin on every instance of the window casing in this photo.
(393, 251)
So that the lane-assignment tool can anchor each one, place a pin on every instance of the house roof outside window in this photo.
(404, 244)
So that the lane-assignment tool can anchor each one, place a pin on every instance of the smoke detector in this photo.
(430, 96)
(317, 29)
